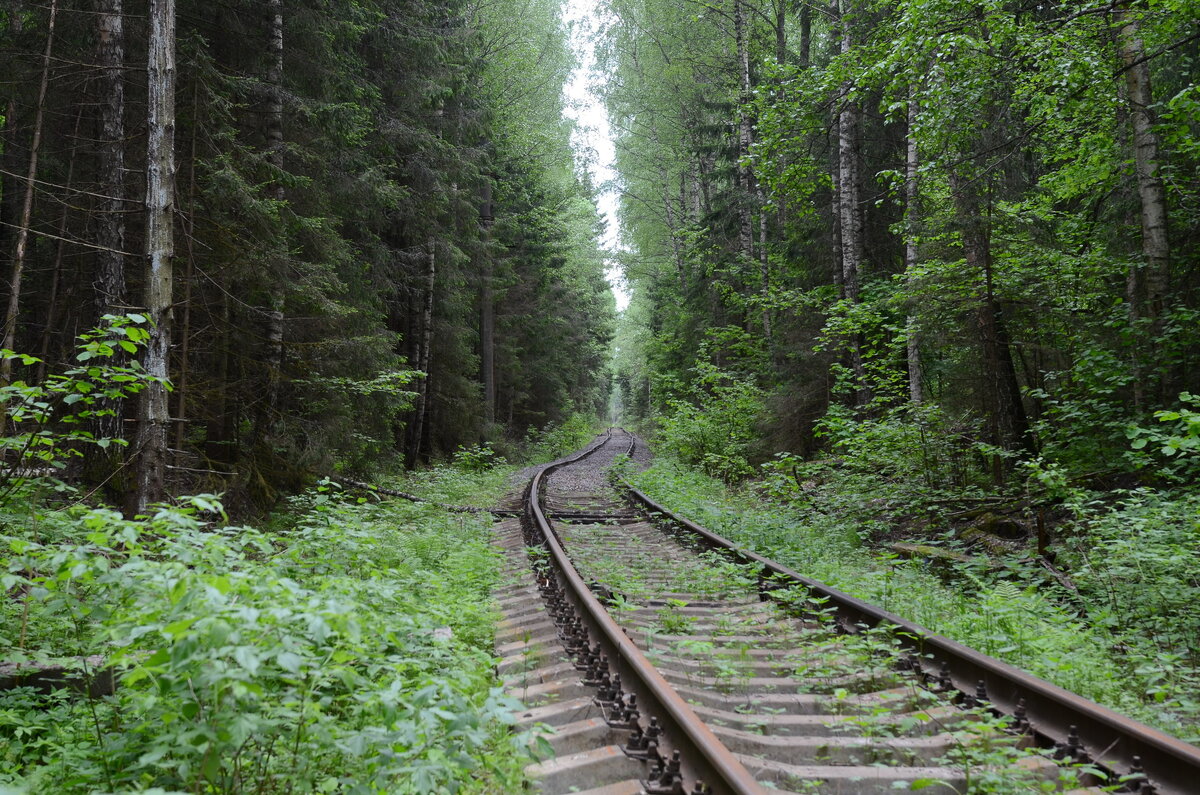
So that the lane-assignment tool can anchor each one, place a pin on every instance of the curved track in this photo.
(668, 661)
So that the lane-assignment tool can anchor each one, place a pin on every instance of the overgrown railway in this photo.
(669, 661)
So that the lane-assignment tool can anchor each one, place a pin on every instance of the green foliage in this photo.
(557, 439)
(1134, 561)
(1178, 444)
(350, 652)
(476, 458)
(54, 420)
(715, 429)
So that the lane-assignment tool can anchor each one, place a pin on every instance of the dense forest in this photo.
(357, 231)
(975, 222)
(925, 273)
(914, 308)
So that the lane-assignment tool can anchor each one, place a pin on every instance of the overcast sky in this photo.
(594, 137)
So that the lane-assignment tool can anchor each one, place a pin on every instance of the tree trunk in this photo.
(185, 331)
(275, 146)
(51, 325)
(835, 222)
(849, 179)
(10, 161)
(745, 133)
(111, 296)
(781, 31)
(424, 356)
(18, 268)
(849, 188)
(110, 222)
(912, 196)
(151, 448)
(805, 34)
(487, 309)
(1001, 393)
(1155, 242)
(673, 231)
(764, 266)
(219, 448)
(487, 342)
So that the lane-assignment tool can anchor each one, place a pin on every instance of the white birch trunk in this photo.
(912, 195)
(1156, 246)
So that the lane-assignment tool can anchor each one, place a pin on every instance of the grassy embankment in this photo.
(1121, 629)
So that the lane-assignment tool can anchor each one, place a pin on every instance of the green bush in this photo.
(351, 653)
(476, 458)
(715, 427)
(556, 440)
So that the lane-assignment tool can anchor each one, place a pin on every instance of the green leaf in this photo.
(289, 661)
(177, 628)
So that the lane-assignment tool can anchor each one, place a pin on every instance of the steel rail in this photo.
(702, 757)
(1080, 728)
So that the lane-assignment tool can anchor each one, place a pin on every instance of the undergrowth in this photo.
(348, 649)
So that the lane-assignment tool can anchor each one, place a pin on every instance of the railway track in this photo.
(668, 661)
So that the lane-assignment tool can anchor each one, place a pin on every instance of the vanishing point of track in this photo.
(669, 661)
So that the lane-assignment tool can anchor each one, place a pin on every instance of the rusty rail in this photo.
(702, 758)
(1149, 760)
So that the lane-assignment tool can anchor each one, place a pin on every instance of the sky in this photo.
(593, 141)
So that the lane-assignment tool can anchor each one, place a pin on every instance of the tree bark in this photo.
(781, 31)
(18, 267)
(424, 355)
(185, 332)
(849, 188)
(745, 133)
(487, 309)
(849, 178)
(275, 147)
(764, 265)
(1007, 421)
(805, 34)
(1156, 246)
(487, 342)
(111, 295)
(912, 196)
(153, 415)
(110, 222)
(50, 324)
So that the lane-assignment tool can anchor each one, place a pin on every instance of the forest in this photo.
(372, 242)
(913, 306)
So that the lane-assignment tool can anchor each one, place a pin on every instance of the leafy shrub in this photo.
(1140, 559)
(715, 427)
(50, 421)
(476, 458)
(556, 440)
(349, 654)
(1135, 561)
(1174, 451)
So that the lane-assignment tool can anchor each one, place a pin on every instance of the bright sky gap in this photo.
(593, 140)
